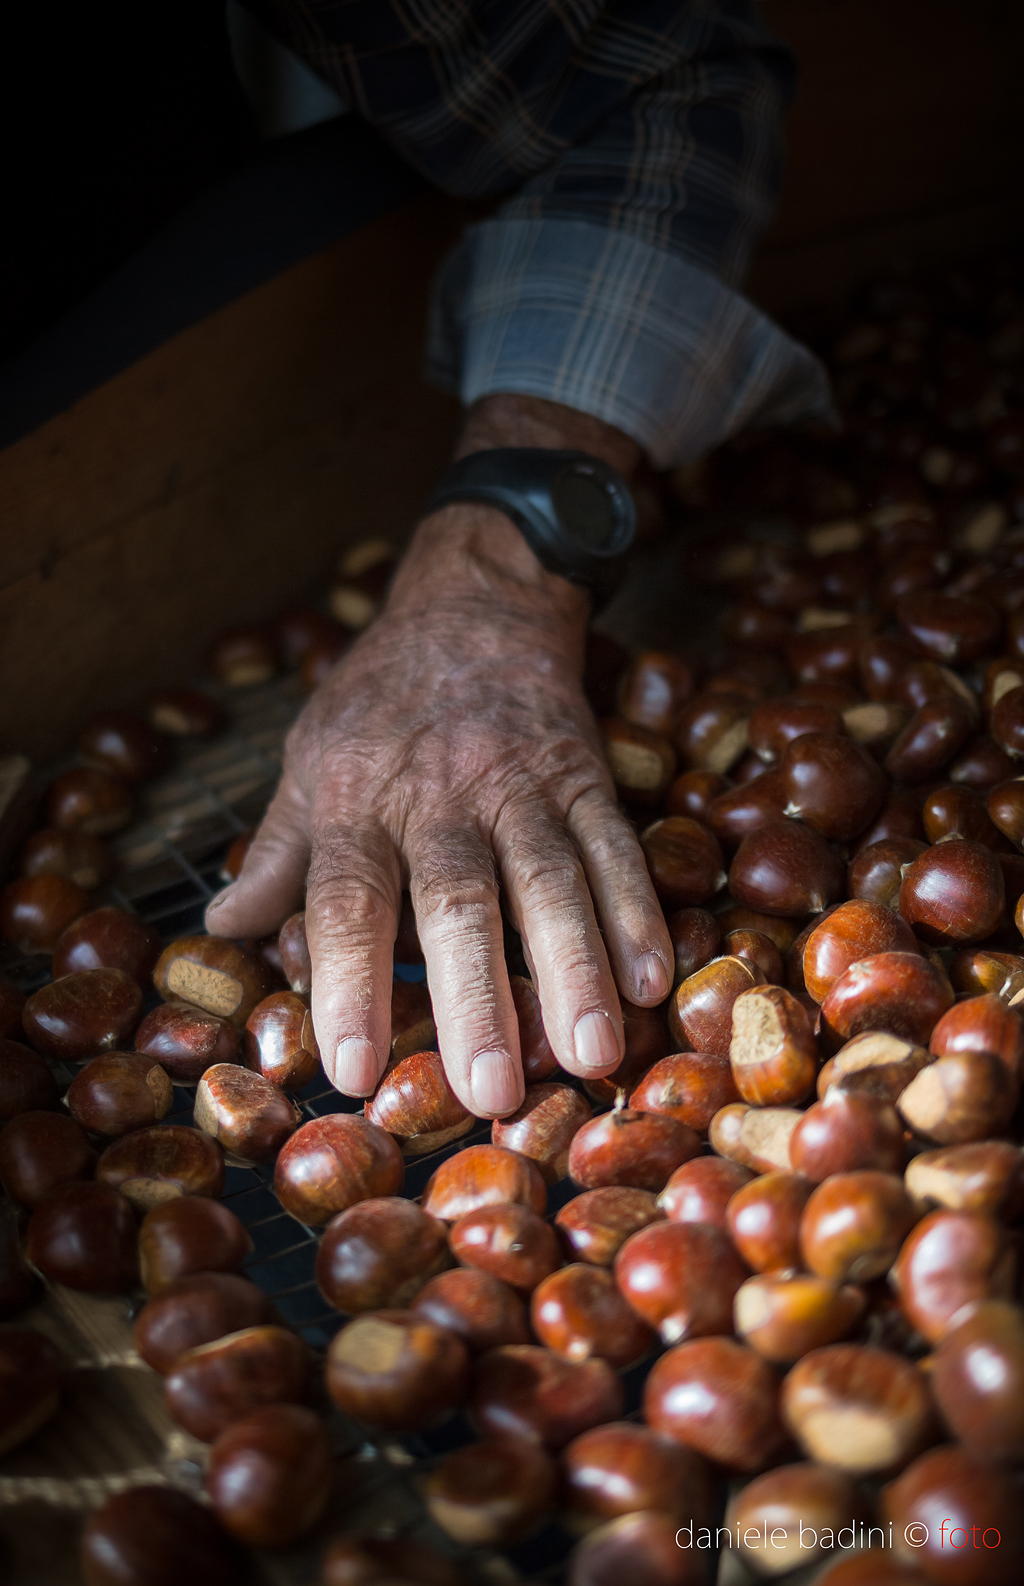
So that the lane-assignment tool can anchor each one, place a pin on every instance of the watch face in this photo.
(585, 507)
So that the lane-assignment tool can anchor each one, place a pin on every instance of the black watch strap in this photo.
(575, 512)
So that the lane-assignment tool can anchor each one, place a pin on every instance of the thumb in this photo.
(272, 881)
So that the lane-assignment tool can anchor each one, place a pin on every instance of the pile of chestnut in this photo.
(799, 1198)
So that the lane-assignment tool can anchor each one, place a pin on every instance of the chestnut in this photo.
(624, 1468)
(700, 1010)
(755, 1137)
(88, 799)
(759, 949)
(246, 1114)
(875, 874)
(936, 732)
(763, 1220)
(521, 1391)
(681, 1278)
(784, 1315)
(1006, 722)
(950, 628)
(782, 1519)
(641, 1548)
(957, 1518)
(213, 973)
(30, 1384)
(773, 1052)
(195, 1310)
(978, 971)
(982, 764)
(853, 1225)
(491, 1493)
(786, 868)
(689, 1086)
(901, 993)
(684, 861)
(594, 1225)
(640, 1150)
(882, 1064)
(415, 1103)
(294, 950)
(185, 713)
(186, 1040)
(948, 1260)
(511, 1242)
(332, 1162)
(653, 689)
(1005, 806)
(482, 1310)
(108, 938)
(119, 1091)
(242, 657)
(75, 855)
(412, 1020)
(959, 1098)
(748, 807)
(83, 1235)
(158, 1536)
(711, 731)
(700, 1190)
(483, 1175)
(579, 1311)
(953, 893)
(118, 741)
(832, 783)
(35, 910)
(986, 1177)
(720, 1398)
(379, 1253)
(26, 1081)
(863, 1410)
(642, 764)
(279, 1041)
(535, 1052)
(982, 1024)
(693, 792)
(153, 1165)
(543, 1127)
(978, 1378)
(776, 722)
(40, 1152)
(270, 1475)
(846, 1130)
(956, 811)
(90, 1011)
(397, 1371)
(218, 1383)
(855, 930)
(189, 1234)
(299, 630)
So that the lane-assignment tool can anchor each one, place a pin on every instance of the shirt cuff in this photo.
(613, 326)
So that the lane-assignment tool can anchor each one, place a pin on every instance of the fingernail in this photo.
(356, 1067)
(494, 1083)
(595, 1043)
(650, 978)
(222, 897)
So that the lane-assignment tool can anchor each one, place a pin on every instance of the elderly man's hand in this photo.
(452, 751)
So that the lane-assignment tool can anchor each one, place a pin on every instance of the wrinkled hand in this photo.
(452, 751)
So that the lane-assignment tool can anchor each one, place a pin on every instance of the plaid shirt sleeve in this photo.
(633, 148)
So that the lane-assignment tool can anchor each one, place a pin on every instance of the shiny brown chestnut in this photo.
(949, 628)
(684, 861)
(36, 910)
(681, 1278)
(186, 1040)
(594, 1225)
(718, 1397)
(483, 1175)
(152, 1165)
(119, 1091)
(242, 657)
(956, 1518)
(935, 733)
(189, 1234)
(981, 764)
(270, 1475)
(482, 1310)
(82, 1014)
(845, 1131)
(876, 1062)
(640, 1150)
(759, 949)
(776, 722)
(949, 1260)
(642, 763)
(216, 1384)
(791, 1516)
(196, 1310)
(415, 1103)
(755, 1137)
(763, 1220)
(987, 1177)
(491, 1493)
(641, 1548)
(543, 1127)
(625, 1468)
(332, 1162)
(901, 993)
(1006, 722)
(978, 1379)
(279, 1041)
(535, 1052)
(119, 741)
(855, 930)
(700, 1010)
(700, 1190)
(854, 1224)
(754, 803)
(298, 629)
(30, 1384)
(40, 1152)
(244, 1112)
(213, 973)
(832, 783)
(1005, 806)
(784, 1315)
(579, 1312)
(90, 800)
(511, 1242)
(27, 1083)
(294, 950)
(522, 1391)
(862, 1410)
(953, 893)
(773, 1053)
(379, 1254)
(788, 869)
(875, 874)
(955, 811)
(693, 792)
(158, 1536)
(711, 732)
(83, 1235)
(653, 689)
(977, 971)
(185, 713)
(108, 938)
(963, 1097)
(396, 1370)
(982, 1024)
(77, 856)
(690, 1086)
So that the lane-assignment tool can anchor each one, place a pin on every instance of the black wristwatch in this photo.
(573, 510)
